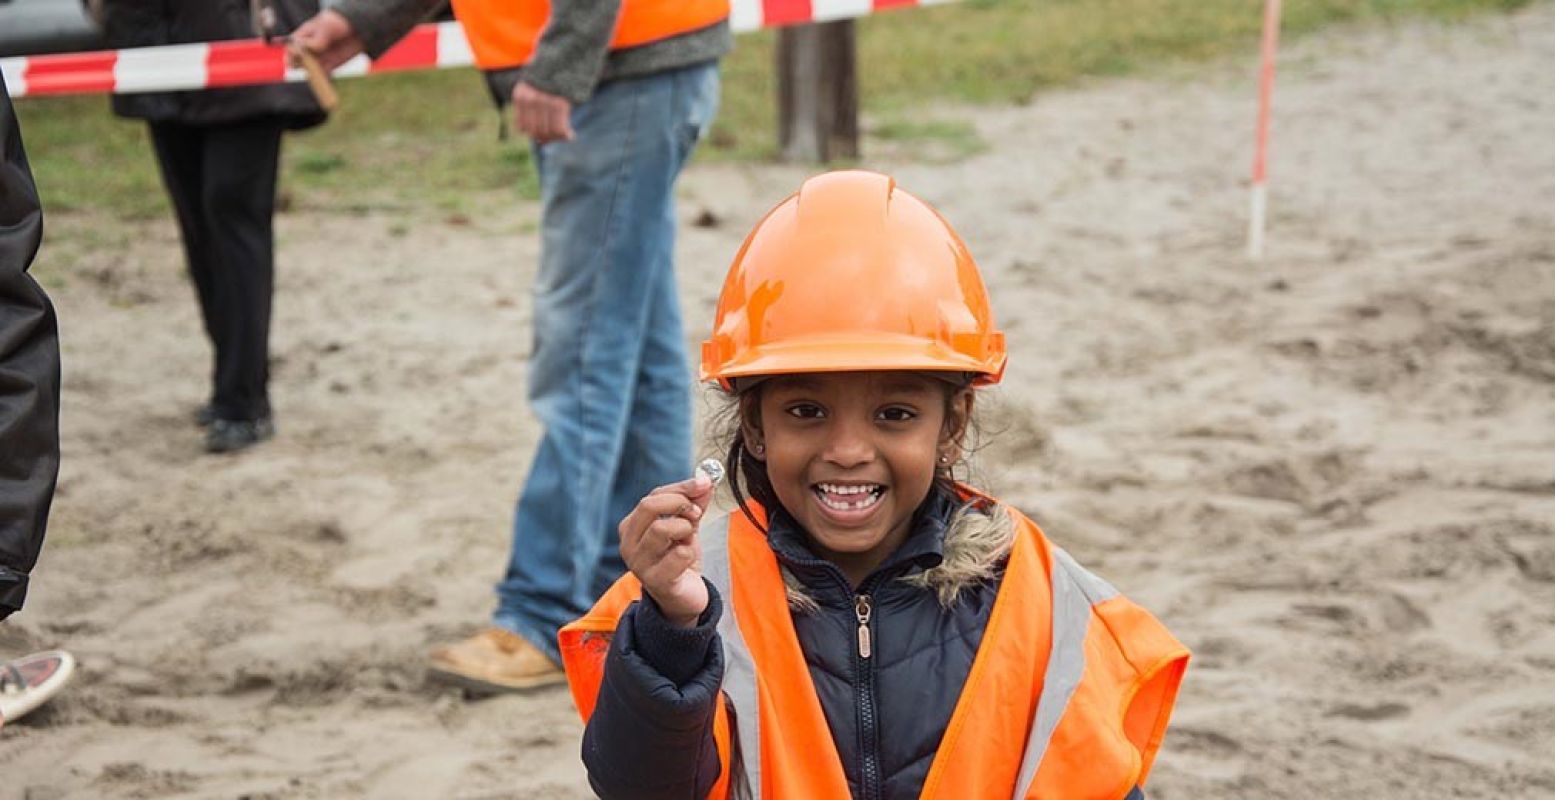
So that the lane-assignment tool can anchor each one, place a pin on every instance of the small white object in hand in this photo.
(712, 469)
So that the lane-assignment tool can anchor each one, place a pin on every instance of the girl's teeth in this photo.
(869, 499)
(832, 489)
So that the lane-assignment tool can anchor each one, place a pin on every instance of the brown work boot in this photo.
(494, 660)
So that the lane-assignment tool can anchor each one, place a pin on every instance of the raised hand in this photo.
(659, 544)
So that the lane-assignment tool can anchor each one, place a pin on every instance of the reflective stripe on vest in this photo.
(1079, 674)
(739, 668)
(1075, 590)
(503, 33)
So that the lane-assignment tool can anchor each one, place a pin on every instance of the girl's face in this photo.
(851, 455)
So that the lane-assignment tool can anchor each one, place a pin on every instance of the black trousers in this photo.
(222, 182)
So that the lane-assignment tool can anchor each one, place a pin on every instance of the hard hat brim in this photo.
(905, 354)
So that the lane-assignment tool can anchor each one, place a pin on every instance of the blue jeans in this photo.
(609, 378)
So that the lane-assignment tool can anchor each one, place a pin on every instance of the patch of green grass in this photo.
(937, 140)
(410, 139)
(318, 163)
(84, 158)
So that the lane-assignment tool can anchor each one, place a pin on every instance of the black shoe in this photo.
(232, 435)
(205, 415)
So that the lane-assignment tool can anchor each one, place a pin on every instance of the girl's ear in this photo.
(750, 426)
(754, 444)
(958, 417)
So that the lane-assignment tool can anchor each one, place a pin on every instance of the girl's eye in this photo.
(806, 411)
(895, 414)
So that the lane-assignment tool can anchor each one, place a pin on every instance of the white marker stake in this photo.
(1257, 220)
(1257, 217)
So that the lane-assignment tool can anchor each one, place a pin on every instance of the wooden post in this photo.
(817, 92)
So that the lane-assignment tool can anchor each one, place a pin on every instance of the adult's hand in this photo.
(330, 37)
(542, 116)
(659, 544)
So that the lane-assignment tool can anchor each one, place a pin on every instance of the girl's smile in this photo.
(851, 455)
(846, 501)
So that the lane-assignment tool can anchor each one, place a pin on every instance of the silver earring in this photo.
(759, 449)
(944, 458)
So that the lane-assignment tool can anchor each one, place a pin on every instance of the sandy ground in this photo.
(1332, 474)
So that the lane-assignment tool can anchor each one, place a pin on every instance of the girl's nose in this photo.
(850, 445)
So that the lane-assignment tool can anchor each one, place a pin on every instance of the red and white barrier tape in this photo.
(250, 61)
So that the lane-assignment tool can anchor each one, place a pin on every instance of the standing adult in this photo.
(29, 373)
(219, 151)
(614, 94)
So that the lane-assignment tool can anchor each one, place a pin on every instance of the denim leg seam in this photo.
(586, 324)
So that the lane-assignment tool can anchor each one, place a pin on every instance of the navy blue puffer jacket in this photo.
(651, 733)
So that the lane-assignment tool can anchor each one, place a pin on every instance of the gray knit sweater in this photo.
(573, 55)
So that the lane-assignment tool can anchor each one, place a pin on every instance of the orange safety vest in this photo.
(1067, 699)
(503, 33)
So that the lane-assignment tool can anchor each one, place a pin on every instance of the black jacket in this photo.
(650, 735)
(146, 23)
(29, 373)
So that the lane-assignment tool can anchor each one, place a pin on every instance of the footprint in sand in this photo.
(1369, 713)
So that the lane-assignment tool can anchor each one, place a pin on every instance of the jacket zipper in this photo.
(863, 667)
(869, 758)
(862, 610)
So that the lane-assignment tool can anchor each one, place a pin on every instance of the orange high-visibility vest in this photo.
(1068, 697)
(503, 33)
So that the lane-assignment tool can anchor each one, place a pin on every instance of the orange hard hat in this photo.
(849, 274)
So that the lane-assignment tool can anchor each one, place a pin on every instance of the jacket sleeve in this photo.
(29, 372)
(651, 734)
(381, 23)
(570, 56)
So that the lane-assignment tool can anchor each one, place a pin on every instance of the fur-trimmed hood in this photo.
(978, 539)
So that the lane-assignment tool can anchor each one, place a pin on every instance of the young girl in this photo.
(863, 626)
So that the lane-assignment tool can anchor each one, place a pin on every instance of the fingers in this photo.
(661, 542)
(663, 550)
(333, 57)
(541, 116)
(669, 567)
(697, 488)
(541, 122)
(551, 120)
(659, 536)
(659, 506)
(523, 116)
(330, 37)
(666, 532)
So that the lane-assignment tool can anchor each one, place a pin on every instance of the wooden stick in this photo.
(318, 79)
